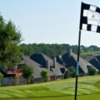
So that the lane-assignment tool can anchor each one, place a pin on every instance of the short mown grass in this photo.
(88, 88)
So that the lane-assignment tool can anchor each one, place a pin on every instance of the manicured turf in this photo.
(88, 88)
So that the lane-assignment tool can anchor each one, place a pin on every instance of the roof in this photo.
(42, 59)
(71, 60)
(96, 62)
(37, 69)
(83, 63)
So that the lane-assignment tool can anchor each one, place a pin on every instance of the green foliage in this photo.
(1, 75)
(48, 49)
(56, 49)
(71, 71)
(91, 70)
(10, 38)
(44, 75)
(27, 71)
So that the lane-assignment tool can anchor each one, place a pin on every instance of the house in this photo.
(37, 69)
(11, 77)
(11, 73)
(56, 70)
(70, 59)
(15, 73)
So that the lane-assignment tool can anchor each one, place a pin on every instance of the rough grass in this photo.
(88, 88)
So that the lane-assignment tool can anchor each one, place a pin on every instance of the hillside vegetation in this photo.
(88, 88)
(57, 49)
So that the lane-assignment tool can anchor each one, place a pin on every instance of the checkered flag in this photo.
(90, 18)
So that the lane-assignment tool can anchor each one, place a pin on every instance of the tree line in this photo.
(56, 49)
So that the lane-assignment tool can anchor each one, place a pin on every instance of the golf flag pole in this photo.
(89, 21)
(77, 65)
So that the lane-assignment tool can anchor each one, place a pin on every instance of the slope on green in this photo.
(88, 88)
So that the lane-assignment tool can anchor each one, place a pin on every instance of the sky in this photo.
(49, 21)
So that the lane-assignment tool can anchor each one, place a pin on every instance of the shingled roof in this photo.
(37, 69)
(70, 59)
(42, 59)
(96, 62)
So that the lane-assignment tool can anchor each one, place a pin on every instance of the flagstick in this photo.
(77, 67)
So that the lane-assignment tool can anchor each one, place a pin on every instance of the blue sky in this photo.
(49, 21)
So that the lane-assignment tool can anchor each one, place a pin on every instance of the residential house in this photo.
(70, 59)
(57, 70)
(37, 69)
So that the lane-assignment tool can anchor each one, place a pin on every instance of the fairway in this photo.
(88, 88)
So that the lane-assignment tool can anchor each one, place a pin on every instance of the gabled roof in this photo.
(39, 58)
(42, 59)
(83, 63)
(59, 59)
(71, 60)
(96, 62)
(37, 69)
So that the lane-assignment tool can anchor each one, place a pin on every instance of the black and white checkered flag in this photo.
(90, 18)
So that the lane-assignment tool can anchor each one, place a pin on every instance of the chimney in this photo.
(54, 62)
(70, 52)
(48, 64)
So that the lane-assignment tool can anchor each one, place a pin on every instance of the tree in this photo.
(44, 75)
(27, 72)
(71, 71)
(10, 38)
(91, 70)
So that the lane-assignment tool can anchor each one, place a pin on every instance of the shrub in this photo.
(1, 75)
(91, 70)
(71, 71)
(27, 72)
(44, 75)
